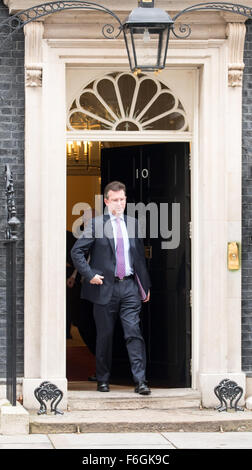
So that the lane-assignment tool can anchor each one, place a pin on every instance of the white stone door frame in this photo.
(215, 207)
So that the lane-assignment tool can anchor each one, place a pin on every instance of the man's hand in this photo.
(70, 281)
(148, 297)
(97, 279)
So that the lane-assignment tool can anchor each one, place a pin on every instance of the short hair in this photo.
(114, 186)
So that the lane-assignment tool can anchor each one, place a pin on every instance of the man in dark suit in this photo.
(116, 281)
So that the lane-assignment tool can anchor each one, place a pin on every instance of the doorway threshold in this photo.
(84, 396)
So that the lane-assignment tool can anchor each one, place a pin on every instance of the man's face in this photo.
(116, 202)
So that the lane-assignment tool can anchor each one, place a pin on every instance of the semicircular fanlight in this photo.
(122, 101)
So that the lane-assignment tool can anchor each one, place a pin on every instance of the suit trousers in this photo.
(126, 303)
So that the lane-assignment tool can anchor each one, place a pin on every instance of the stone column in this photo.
(44, 329)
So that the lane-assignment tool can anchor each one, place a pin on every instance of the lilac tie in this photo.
(120, 251)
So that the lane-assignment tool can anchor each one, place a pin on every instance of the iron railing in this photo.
(10, 243)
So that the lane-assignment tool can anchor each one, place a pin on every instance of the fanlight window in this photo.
(125, 102)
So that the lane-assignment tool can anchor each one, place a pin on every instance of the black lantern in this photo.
(146, 33)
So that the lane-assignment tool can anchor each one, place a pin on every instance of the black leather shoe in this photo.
(102, 387)
(142, 388)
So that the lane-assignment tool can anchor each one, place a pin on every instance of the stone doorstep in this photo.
(121, 410)
(126, 399)
(144, 420)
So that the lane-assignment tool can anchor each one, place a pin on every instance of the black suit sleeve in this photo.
(81, 249)
(141, 251)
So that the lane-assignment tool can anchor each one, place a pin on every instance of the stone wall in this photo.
(12, 152)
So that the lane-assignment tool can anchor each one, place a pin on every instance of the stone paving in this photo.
(163, 440)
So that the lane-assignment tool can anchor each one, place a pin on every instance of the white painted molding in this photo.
(236, 35)
(121, 136)
(18, 5)
(169, 5)
(33, 53)
(33, 76)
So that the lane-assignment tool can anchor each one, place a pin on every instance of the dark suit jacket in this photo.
(98, 240)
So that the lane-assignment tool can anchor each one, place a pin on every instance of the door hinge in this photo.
(190, 298)
(190, 161)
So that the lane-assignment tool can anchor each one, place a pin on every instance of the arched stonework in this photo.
(122, 101)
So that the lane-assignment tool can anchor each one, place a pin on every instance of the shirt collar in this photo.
(113, 217)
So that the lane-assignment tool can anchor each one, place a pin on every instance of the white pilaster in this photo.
(220, 323)
(33, 157)
(45, 231)
(236, 36)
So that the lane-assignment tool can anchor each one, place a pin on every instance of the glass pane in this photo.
(126, 84)
(163, 103)
(80, 121)
(90, 102)
(107, 91)
(164, 38)
(146, 54)
(150, 46)
(147, 90)
(130, 51)
(172, 122)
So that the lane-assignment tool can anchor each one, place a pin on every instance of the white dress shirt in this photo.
(127, 257)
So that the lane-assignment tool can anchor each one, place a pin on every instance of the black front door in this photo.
(158, 175)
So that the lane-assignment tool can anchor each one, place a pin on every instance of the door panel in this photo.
(159, 173)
